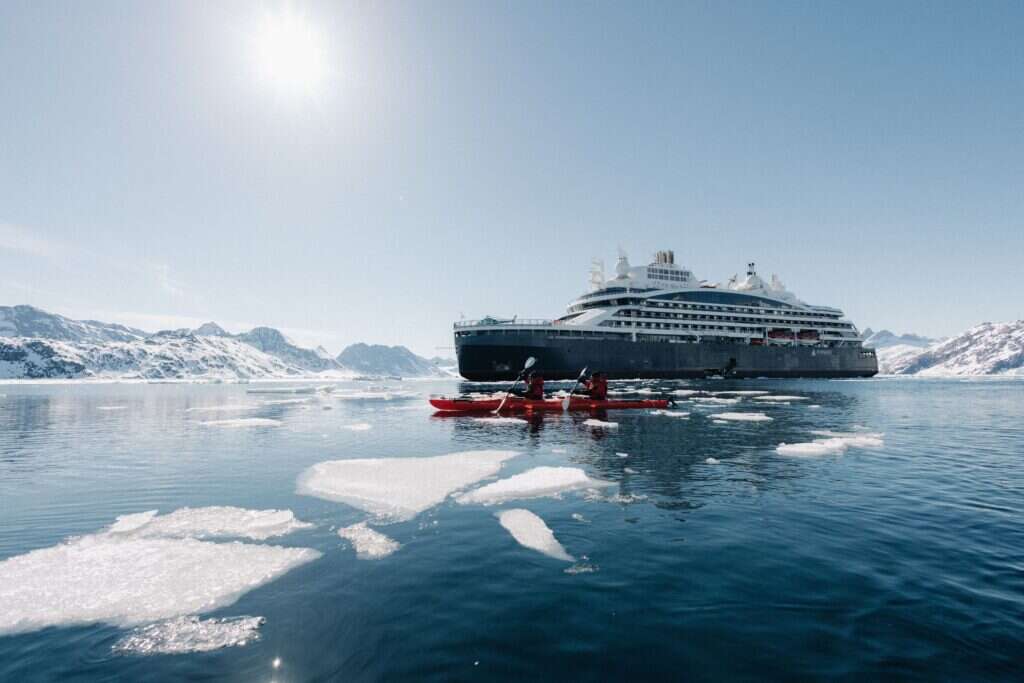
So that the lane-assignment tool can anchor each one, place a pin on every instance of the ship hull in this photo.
(488, 357)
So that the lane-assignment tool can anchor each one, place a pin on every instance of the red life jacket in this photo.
(598, 388)
(535, 389)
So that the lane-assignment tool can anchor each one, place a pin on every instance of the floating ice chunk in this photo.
(501, 420)
(225, 408)
(125, 580)
(742, 417)
(715, 400)
(287, 401)
(580, 518)
(531, 532)
(243, 422)
(581, 568)
(358, 427)
(740, 393)
(209, 522)
(111, 407)
(190, 634)
(629, 470)
(834, 442)
(781, 398)
(712, 461)
(600, 424)
(671, 413)
(685, 392)
(281, 390)
(399, 488)
(368, 543)
(622, 455)
(814, 406)
(538, 482)
(720, 422)
(393, 395)
(558, 450)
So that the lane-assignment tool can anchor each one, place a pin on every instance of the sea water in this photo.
(758, 530)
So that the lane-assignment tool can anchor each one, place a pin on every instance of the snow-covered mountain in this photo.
(28, 321)
(987, 349)
(884, 339)
(376, 359)
(36, 344)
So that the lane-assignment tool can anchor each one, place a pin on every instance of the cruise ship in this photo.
(660, 321)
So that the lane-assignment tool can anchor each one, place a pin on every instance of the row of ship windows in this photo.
(686, 316)
(640, 336)
(738, 309)
(677, 326)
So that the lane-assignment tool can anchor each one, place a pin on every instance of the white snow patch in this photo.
(501, 420)
(368, 543)
(190, 634)
(243, 422)
(600, 424)
(531, 532)
(399, 488)
(742, 417)
(538, 482)
(141, 570)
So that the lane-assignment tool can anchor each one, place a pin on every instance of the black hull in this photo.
(489, 357)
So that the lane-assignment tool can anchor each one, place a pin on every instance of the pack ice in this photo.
(832, 442)
(399, 488)
(368, 543)
(538, 482)
(146, 568)
(190, 634)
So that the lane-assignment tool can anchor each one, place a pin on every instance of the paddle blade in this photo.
(530, 362)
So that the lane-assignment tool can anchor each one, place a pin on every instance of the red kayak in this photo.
(518, 404)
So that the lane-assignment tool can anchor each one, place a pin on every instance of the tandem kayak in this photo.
(518, 404)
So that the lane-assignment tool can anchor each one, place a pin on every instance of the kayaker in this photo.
(596, 388)
(534, 387)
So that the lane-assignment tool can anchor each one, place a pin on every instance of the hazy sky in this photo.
(400, 164)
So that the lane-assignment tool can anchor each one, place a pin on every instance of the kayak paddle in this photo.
(529, 364)
(565, 401)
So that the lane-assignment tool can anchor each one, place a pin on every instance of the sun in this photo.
(290, 53)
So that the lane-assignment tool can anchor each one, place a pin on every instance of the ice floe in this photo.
(671, 413)
(368, 543)
(600, 424)
(629, 470)
(287, 401)
(208, 522)
(111, 407)
(622, 455)
(832, 442)
(580, 518)
(531, 532)
(742, 417)
(740, 393)
(501, 420)
(393, 395)
(538, 482)
(142, 570)
(281, 390)
(189, 634)
(558, 450)
(358, 427)
(715, 400)
(685, 392)
(224, 408)
(712, 461)
(781, 398)
(399, 488)
(243, 422)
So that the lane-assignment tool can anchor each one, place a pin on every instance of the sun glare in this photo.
(290, 53)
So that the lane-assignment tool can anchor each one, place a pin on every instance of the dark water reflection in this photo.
(716, 557)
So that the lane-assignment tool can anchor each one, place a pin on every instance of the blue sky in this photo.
(471, 158)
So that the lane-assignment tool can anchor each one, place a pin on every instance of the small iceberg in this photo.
(531, 532)
(539, 482)
(368, 543)
(833, 442)
(600, 424)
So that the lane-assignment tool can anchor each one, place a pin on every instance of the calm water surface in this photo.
(904, 562)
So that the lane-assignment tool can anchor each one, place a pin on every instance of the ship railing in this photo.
(491, 322)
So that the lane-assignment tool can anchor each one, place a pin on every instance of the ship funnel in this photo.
(665, 257)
